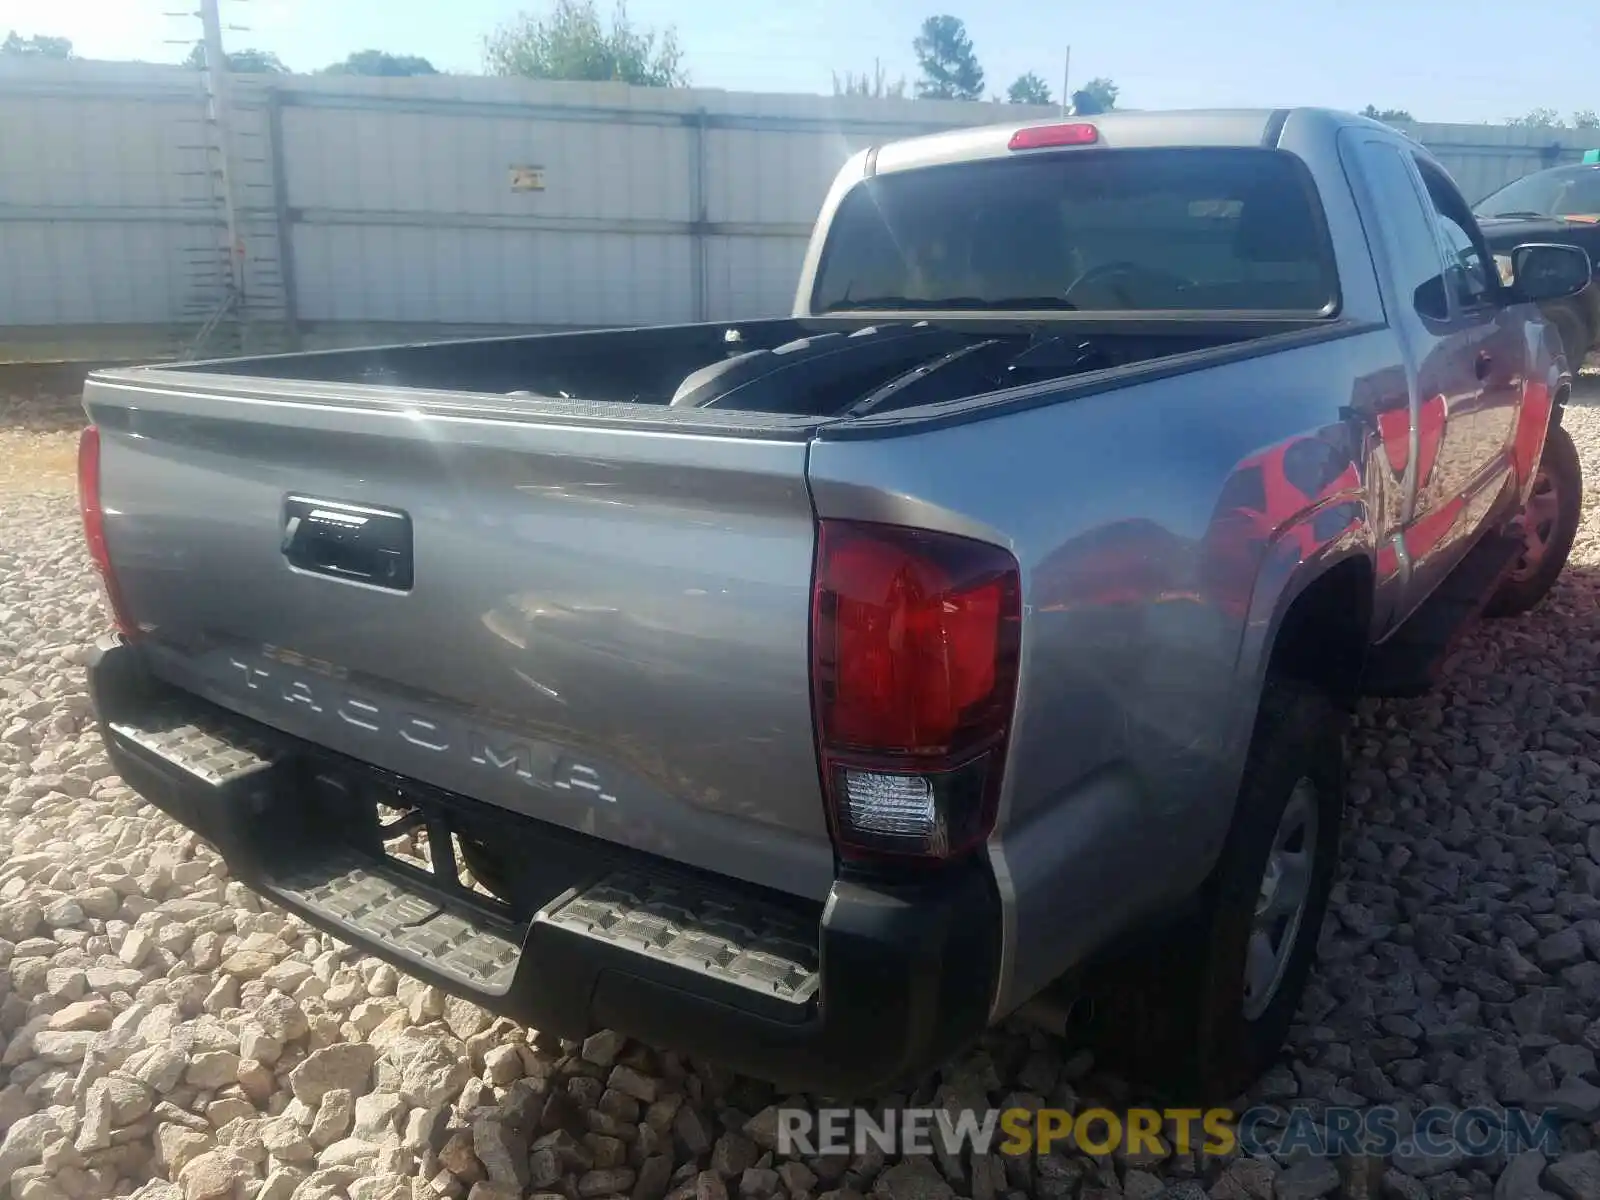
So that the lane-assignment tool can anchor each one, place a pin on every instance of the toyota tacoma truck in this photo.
(811, 693)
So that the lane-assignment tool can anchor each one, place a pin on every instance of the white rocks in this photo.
(159, 1067)
(281, 1184)
(389, 1185)
(378, 1115)
(110, 1103)
(287, 1141)
(632, 1083)
(25, 1141)
(425, 1004)
(95, 1015)
(464, 1018)
(70, 1047)
(177, 1146)
(256, 1043)
(63, 914)
(287, 975)
(257, 1081)
(248, 964)
(349, 1152)
(221, 996)
(225, 1110)
(212, 1069)
(345, 1065)
(99, 902)
(425, 1129)
(113, 979)
(382, 980)
(18, 919)
(602, 1048)
(502, 1065)
(280, 1018)
(503, 1153)
(66, 983)
(135, 948)
(334, 1115)
(428, 1069)
(215, 1175)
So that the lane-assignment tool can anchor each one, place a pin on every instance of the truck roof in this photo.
(1197, 127)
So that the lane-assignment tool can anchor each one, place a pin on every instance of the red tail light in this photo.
(94, 526)
(1039, 137)
(914, 641)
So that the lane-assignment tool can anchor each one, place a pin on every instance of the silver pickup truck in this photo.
(811, 693)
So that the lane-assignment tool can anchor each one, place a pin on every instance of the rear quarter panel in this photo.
(1161, 531)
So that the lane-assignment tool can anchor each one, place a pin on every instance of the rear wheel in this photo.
(1200, 1016)
(489, 869)
(1548, 524)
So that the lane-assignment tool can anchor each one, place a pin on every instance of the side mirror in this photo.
(1548, 272)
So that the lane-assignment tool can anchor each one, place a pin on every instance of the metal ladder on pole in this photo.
(237, 286)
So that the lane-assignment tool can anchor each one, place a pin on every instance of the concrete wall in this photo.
(392, 208)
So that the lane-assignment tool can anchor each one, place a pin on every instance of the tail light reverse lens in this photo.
(94, 526)
(915, 640)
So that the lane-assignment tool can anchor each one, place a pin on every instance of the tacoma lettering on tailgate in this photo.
(538, 764)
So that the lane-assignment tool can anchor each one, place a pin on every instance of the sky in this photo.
(1442, 60)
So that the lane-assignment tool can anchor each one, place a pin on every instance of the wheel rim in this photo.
(1538, 521)
(1281, 900)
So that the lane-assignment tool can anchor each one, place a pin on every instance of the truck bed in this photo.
(593, 611)
(812, 368)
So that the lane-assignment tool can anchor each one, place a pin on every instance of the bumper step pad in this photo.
(758, 947)
(201, 739)
(383, 908)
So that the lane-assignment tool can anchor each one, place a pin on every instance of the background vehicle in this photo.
(1561, 205)
(810, 693)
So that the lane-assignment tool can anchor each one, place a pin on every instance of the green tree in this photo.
(380, 62)
(37, 46)
(1539, 118)
(950, 69)
(1028, 89)
(1586, 118)
(1389, 115)
(875, 86)
(1095, 97)
(240, 62)
(571, 43)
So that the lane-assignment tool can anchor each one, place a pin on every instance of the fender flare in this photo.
(1284, 576)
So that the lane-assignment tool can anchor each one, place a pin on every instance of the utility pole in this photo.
(219, 100)
(1066, 75)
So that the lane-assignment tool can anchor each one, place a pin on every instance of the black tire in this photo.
(1528, 583)
(1172, 1016)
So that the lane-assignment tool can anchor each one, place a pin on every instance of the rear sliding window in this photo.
(1230, 230)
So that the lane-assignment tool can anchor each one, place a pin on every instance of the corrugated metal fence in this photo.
(391, 208)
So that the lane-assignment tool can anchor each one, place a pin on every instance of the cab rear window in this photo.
(1226, 230)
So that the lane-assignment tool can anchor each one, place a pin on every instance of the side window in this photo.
(1406, 221)
(1467, 269)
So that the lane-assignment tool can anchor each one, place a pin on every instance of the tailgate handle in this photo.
(352, 542)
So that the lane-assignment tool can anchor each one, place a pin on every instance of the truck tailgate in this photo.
(602, 628)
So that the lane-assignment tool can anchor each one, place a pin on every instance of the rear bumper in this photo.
(846, 998)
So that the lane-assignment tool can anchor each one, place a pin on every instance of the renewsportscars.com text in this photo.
(1323, 1132)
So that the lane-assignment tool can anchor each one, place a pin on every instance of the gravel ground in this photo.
(165, 1034)
(38, 442)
